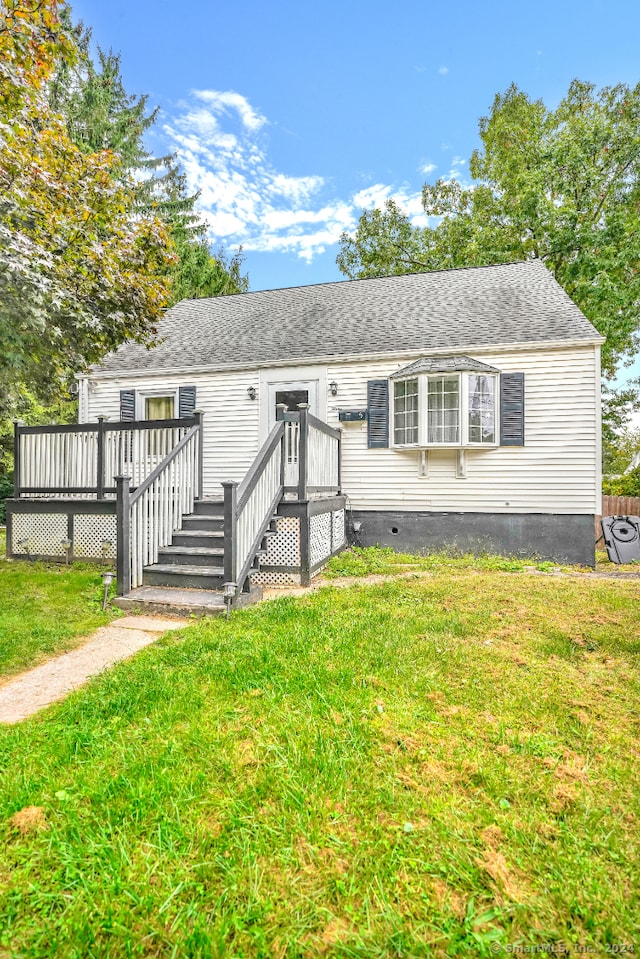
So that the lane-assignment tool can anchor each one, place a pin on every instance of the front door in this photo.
(291, 394)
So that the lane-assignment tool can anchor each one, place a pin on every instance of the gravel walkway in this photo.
(31, 691)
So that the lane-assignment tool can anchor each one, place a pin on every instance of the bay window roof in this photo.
(443, 364)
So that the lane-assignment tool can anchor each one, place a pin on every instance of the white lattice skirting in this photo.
(326, 535)
(93, 536)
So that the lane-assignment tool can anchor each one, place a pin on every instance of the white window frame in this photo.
(423, 420)
(143, 395)
(392, 411)
(496, 411)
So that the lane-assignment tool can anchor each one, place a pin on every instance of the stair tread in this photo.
(189, 516)
(213, 533)
(177, 596)
(193, 550)
(183, 570)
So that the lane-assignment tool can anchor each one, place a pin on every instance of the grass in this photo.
(422, 767)
(376, 560)
(45, 610)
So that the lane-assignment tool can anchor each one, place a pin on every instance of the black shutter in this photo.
(512, 409)
(378, 414)
(127, 405)
(186, 401)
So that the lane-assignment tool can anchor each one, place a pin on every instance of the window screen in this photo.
(443, 409)
(405, 411)
(482, 409)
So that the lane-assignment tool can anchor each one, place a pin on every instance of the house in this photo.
(458, 409)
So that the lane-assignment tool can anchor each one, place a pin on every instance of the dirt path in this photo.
(342, 582)
(39, 687)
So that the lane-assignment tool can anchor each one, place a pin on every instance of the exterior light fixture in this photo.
(24, 543)
(66, 545)
(228, 594)
(252, 392)
(105, 546)
(107, 579)
(333, 388)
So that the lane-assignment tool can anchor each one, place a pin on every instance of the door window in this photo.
(292, 399)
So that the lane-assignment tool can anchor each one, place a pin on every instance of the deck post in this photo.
(340, 462)
(16, 458)
(303, 444)
(230, 488)
(123, 537)
(100, 463)
(281, 408)
(199, 416)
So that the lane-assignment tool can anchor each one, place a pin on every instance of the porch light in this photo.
(107, 579)
(23, 543)
(252, 392)
(228, 594)
(333, 388)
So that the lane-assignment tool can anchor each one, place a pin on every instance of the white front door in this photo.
(292, 394)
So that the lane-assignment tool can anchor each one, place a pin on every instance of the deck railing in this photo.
(323, 456)
(302, 455)
(249, 508)
(81, 461)
(312, 451)
(148, 517)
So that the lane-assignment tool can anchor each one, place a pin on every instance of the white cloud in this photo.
(374, 197)
(456, 172)
(227, 101)
(242, 197)
(245, 200)
(427, 168)
(443, 70)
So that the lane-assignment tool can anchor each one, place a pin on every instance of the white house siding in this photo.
(230, 417)
(557, 471)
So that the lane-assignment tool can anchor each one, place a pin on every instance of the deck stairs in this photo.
(189, 575)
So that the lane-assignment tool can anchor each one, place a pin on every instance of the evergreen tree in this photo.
(100, 114)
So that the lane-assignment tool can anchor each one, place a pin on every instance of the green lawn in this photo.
(45, 610)
(414, 768)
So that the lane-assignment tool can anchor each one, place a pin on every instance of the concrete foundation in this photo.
(557, 537)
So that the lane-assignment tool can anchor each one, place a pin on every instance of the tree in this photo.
(81, 269)
(562, 185)
(100, 114)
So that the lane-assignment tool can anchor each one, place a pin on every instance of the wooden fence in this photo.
(617, 506)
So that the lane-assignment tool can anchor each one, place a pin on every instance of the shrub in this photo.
(6, 490)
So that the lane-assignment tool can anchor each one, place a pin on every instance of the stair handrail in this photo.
(249, 507)
(323, 456)
(148, 516)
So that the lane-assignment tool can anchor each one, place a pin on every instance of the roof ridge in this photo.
(362, 279)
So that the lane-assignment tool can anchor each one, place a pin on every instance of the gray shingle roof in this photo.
(418, 312)
(444, 364)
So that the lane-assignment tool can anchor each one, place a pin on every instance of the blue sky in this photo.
(291, 117)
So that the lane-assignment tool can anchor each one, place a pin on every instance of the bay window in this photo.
(482, 409)
(443, 410)
(405, 412)
(451, 402)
